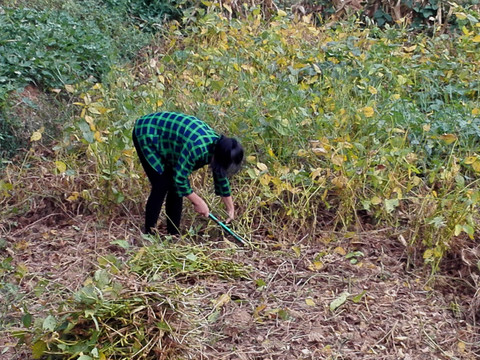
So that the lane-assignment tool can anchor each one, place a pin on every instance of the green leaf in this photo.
(214, 316)
(391, 204)
(339, 301)
(38, 349)
(84, 357)
(86, 295)
(357, 298)
(458, 229)
(354, 254)
(121, 243)
(192, 257)
(27, 320)
(49, 323)
(102, 277)
(162, 325)
(260, 283)
(469, 230)
(283, 314)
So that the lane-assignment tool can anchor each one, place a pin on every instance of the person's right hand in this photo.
(199, 205)
(202, 208)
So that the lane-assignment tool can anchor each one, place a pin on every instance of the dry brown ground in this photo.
(289, 317)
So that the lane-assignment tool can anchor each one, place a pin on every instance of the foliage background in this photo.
(356, 117)
(380, 122)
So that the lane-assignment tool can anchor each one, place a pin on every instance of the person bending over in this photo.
(170, 147)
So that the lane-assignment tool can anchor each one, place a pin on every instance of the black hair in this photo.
(227, 157)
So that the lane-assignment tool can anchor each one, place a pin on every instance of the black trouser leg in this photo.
(173, 208)
(153, 207)
(162, 184)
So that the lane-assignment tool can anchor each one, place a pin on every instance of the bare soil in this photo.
(284, 310)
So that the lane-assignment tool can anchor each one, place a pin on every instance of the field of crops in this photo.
(359, 194)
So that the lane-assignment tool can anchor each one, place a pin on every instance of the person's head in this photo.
(227, 157)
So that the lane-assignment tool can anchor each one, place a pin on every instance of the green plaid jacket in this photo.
(180, 142)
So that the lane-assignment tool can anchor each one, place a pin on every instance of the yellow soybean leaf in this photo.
(302, 153)
(338, 159)
(340, 250)
(465, 31)
(376, 200)
(402, 80)
(315, 266)
(310, 302)
(410, 48)
(98, 136)
(448, 138)
(476, 111)
(416, 180)
(61, 166)
(90, 122)
(70, 89)
(74, 196)
(251, 159)
(37, 135)
(319, 151)
(222, 300)
(262, 166)
(94, 110)
(470, 160)
(339, 182)
(128, 152)
(316, 173)
(428, 254)
(89, 119)
(228, 8)
(476, 39)
(368, 111)
(265, 179)
(297, 250)
(372, 90)
(476, 166)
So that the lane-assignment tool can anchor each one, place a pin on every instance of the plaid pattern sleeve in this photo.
(180, 142)
(222, 185)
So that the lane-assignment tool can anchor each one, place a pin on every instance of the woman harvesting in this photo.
(170, 147)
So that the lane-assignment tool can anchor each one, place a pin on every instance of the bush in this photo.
(50, 48)
(61, 44)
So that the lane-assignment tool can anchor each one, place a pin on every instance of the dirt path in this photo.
(345, 299)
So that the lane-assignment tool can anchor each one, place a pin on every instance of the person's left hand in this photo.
(228, 201)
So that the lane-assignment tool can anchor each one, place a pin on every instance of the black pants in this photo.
(162, 184)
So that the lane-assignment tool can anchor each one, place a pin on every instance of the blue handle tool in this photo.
(227, 229)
